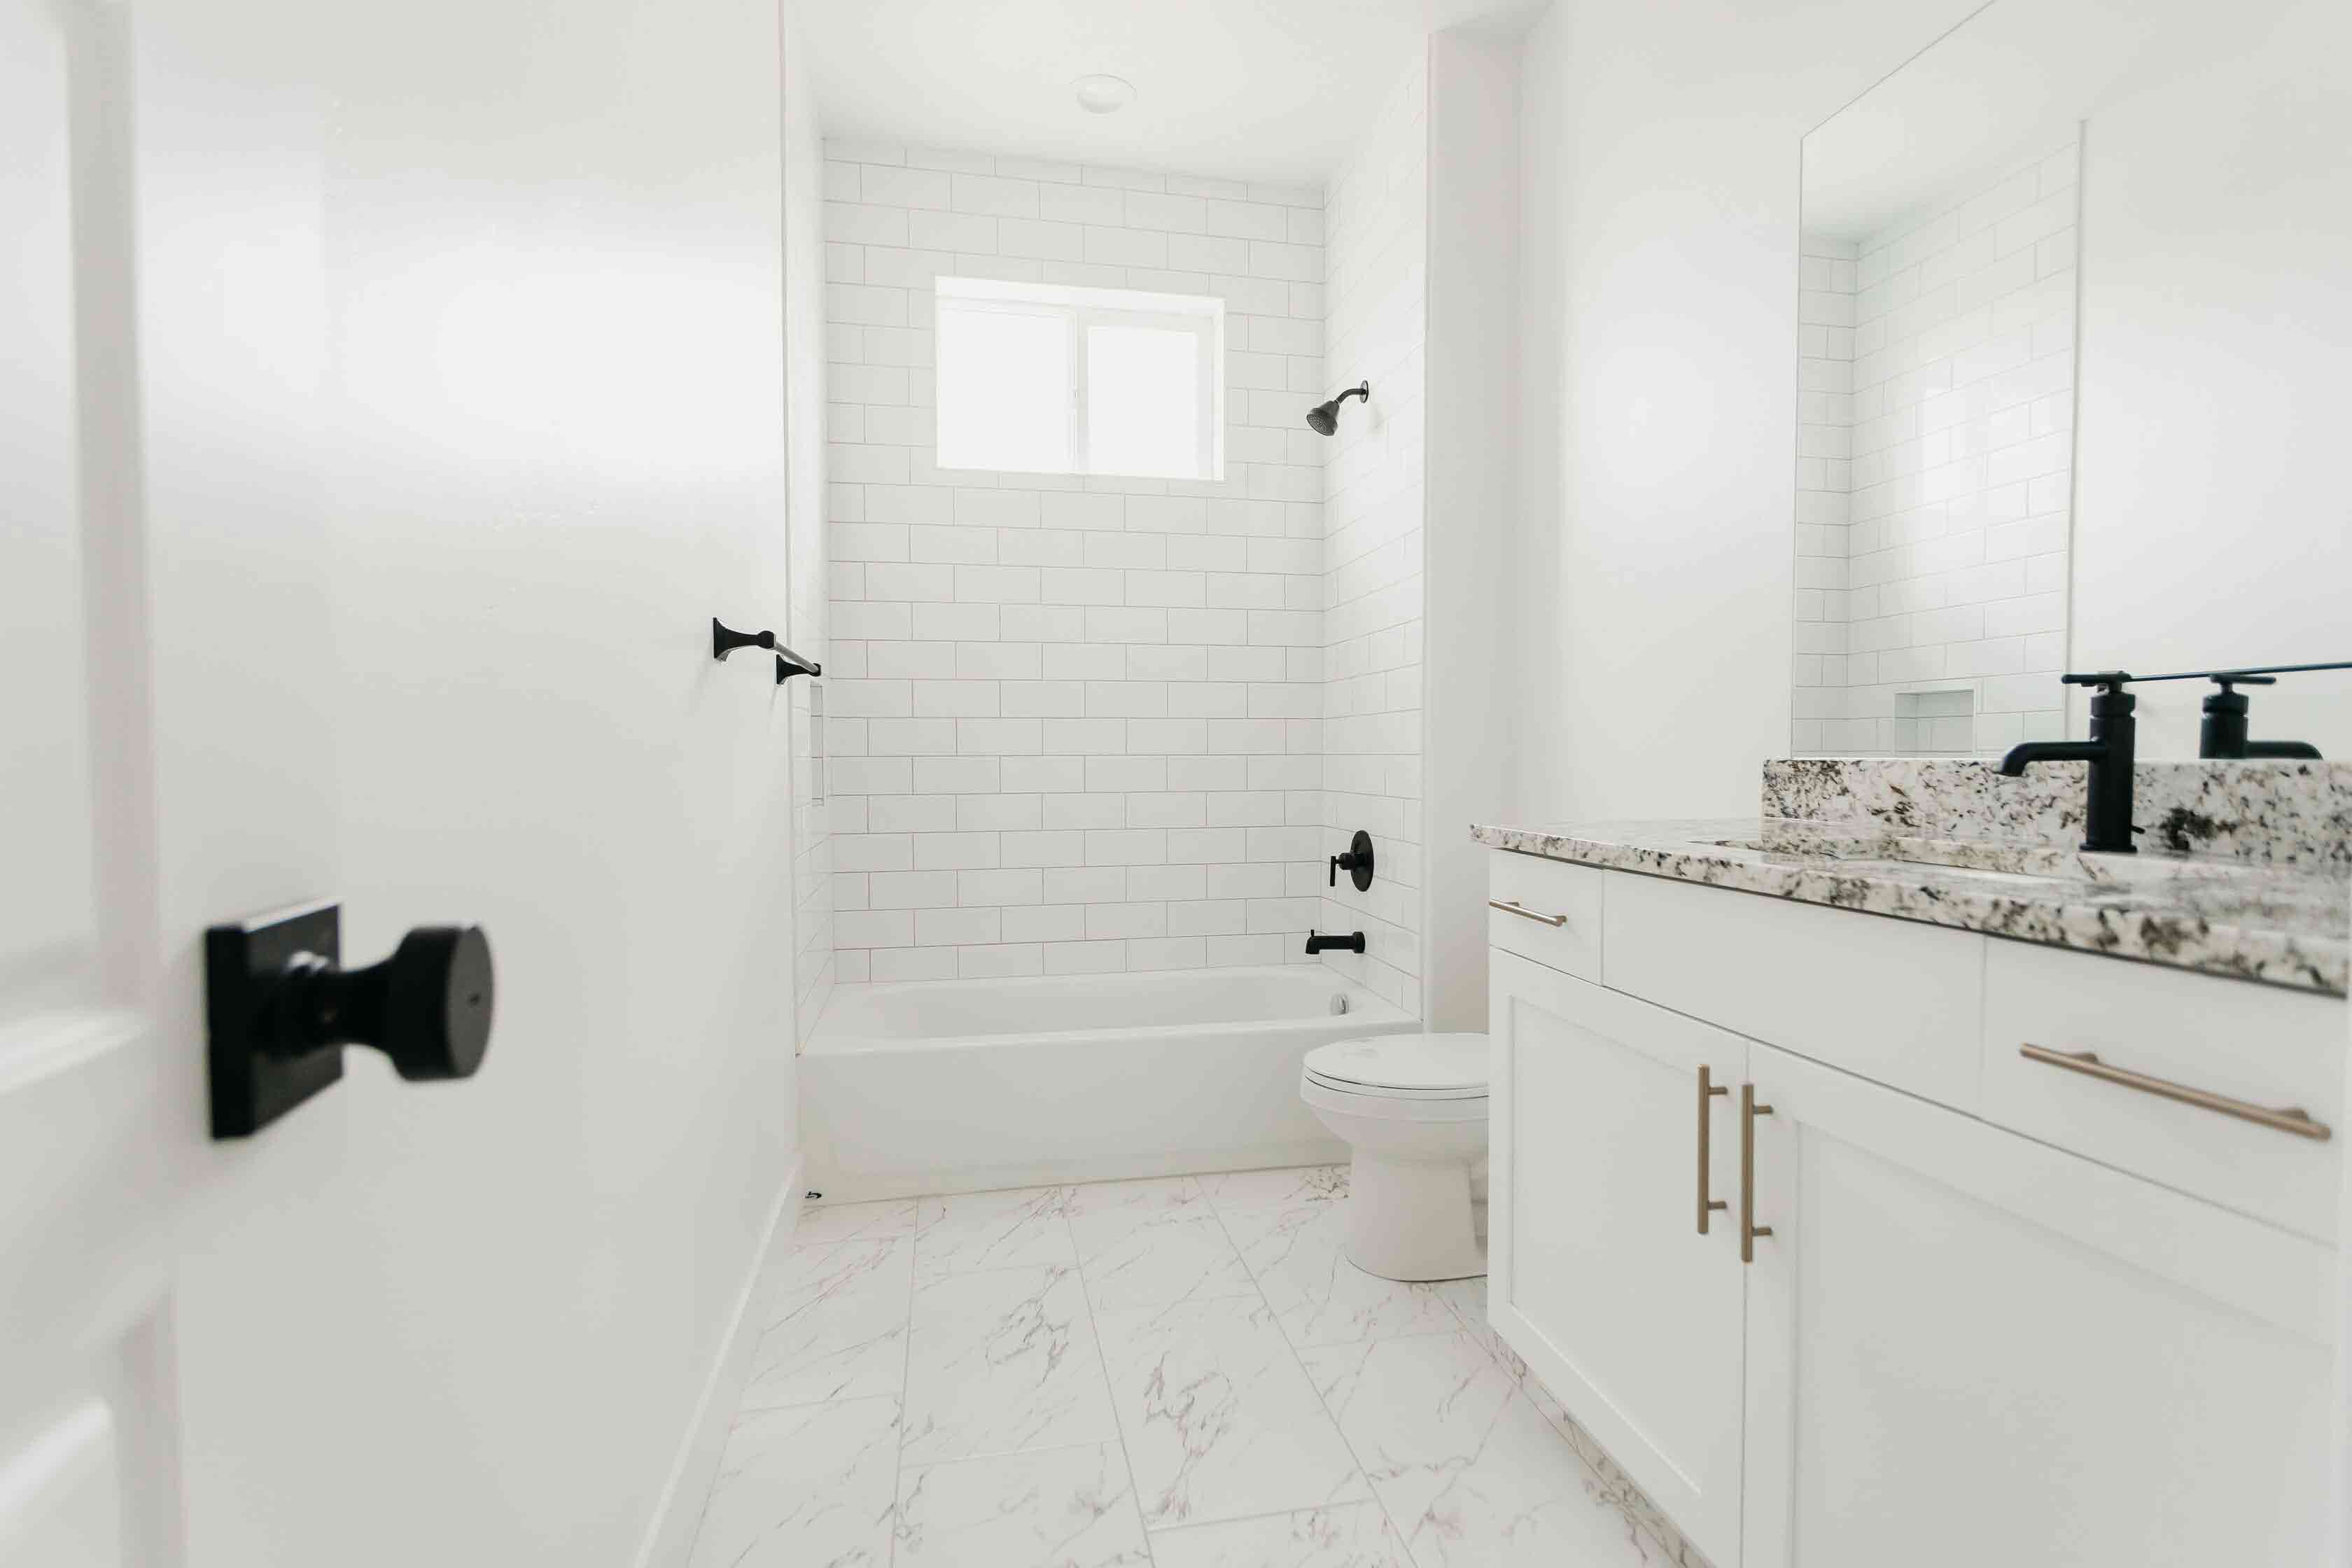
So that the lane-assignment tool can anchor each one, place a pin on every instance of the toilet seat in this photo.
(1402, 1067)
(1386, 1105)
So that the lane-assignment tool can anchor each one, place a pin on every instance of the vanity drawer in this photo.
(1894, 1001)
(2199, 1056)
(1553, 915)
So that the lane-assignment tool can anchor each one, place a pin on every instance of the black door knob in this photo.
(427, 1007)
(279, 1007)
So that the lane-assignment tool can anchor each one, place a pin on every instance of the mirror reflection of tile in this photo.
(1937, 375)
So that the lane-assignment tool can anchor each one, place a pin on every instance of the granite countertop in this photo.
(2284, 921)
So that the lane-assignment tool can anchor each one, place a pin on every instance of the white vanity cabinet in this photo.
(1595, 1112)
(1966, 1347)
(2006, 1313)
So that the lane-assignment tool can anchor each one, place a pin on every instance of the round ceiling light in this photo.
(1103, 94)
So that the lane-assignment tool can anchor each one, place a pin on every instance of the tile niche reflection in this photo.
(1935, 470)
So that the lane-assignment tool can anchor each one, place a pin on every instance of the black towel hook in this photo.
(725, 640)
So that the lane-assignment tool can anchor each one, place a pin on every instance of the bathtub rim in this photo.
(1385, 1017)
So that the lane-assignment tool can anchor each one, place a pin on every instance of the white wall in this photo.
(1472, 712)
(1659, 273)
(469, 1323)
(1372, 584)
(1075, 724)
(804, 633)
(2212, 517)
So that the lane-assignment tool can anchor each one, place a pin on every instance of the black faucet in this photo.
(2224, 733)
(2108, 815)
(1352, 943)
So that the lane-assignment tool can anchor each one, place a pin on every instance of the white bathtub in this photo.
(961, 1085)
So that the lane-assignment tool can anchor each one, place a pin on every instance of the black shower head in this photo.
(1324, 417)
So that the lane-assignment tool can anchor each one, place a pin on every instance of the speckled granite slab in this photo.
(2286, 924)
(2274, 814)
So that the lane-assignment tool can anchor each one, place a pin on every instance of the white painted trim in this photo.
(670, 1534)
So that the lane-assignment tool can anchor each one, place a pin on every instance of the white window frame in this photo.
(1081, 308)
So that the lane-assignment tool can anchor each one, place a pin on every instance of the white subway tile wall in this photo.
(1075, 724)
(1377, 223)
(1956, 459)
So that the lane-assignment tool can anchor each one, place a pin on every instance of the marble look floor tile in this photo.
(1003, 1361)
(1060, 1508)
(1355, 1535)
(1104, 1210)
(834, 1325)
(1174, 1260)
(811, 1487)
(825, 1223)
(1471, 1474)
(1468, 1299)
(1220, 1422)
(1282, 1188)
(1011, 1229)
(1298, 1256)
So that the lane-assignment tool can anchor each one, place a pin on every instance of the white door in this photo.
(1966, 1347)
(85, 1418)
(1599, 1276)
(162, 757)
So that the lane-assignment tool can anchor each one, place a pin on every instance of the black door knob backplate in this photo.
(281, 1008)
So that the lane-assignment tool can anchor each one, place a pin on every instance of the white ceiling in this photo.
(1247, 90)
(2013, 79)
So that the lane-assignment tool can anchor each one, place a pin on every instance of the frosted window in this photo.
(1143, 402)
(1044, 378)
(1004, 390)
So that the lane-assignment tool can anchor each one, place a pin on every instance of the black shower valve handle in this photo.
(1357, 862)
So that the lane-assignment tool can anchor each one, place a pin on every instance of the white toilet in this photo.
(1413, 1109)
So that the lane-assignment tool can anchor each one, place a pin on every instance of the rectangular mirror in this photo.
(2075, 298)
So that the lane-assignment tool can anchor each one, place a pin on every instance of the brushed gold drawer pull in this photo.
(2293, 1119)
(1749, 1229)
(1707, 1090)
(1513, 907)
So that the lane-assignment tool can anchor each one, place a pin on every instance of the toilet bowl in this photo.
(1413, 1107)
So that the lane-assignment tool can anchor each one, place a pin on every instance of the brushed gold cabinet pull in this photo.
(1513, 907)
(2293, 1119)
(1707, 1092)
(1749, 1229)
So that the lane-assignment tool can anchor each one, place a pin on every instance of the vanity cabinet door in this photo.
(1966, 1347)
(1598, 1275)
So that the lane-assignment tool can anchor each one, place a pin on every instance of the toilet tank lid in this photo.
(1405, 1061)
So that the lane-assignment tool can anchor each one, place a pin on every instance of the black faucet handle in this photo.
(2105, 680)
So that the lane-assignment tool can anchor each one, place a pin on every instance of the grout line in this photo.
(906, 1372)
(1102, 1359)
(1379, 1502)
